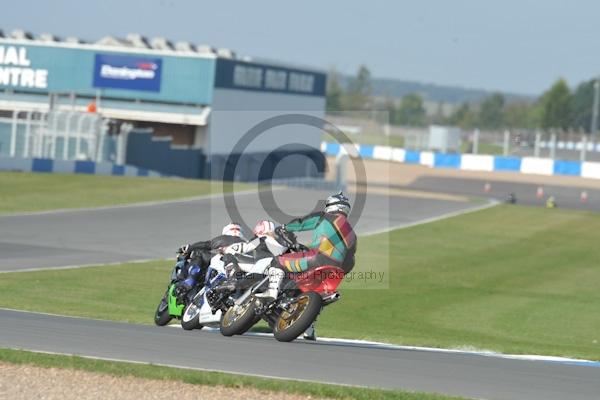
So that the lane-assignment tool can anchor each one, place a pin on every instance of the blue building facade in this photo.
(191, 100)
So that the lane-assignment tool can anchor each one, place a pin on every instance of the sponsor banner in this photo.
(242, 75)
(16, 69)
(127, 72)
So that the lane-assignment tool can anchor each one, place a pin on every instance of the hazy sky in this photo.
(511, 45)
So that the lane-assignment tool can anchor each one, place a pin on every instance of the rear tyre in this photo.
(161, 316)
(239, 318)
(191, 317)
(301, 314)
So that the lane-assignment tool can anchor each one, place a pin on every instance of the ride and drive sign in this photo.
(127, 72)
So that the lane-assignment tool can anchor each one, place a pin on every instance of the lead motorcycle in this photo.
(301, 298)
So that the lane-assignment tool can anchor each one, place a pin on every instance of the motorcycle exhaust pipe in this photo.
(331, 298)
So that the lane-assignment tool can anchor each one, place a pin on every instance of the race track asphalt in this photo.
(471, 375)
(118, 234)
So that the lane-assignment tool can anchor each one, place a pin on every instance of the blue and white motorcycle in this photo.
(222, 287)
(198, 312)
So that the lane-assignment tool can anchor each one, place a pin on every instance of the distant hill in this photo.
(432, 92)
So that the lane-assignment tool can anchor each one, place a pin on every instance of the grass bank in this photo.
(22, 191)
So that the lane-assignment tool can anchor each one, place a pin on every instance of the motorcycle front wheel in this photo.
(161, 316)
(239, 318)
(191, 317)
(298, 317)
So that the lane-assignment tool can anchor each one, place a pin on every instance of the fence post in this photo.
(122, 143)
(553, 145)
(506, 142)
(13, 134)
(476, 141)
(27, 134)
(536, 148)
(583, 147)
(53, 135)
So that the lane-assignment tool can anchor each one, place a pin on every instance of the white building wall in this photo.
(235, 112)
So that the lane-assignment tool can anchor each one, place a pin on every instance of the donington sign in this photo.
(16, 71)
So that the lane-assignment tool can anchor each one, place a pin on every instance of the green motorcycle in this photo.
(170, 307)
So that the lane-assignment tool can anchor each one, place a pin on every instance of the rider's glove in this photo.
(231, 264)
(228, 259)
(280, 230)
(184, 250)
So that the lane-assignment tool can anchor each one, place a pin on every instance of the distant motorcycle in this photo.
(170, 305)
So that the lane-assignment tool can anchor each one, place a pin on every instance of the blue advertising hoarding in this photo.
(40, 68)
(127, 72)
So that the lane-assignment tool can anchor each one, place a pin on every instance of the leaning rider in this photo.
(200, 254)
(333, 243)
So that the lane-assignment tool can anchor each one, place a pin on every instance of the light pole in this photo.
(594, 124)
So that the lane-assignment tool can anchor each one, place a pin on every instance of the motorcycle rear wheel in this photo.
(238, 319)
(162, 316)
(294, 322)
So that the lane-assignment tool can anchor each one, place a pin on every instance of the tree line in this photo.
(558, 107)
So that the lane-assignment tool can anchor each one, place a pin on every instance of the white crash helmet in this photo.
(232, 230)
(263, 228)
(337, 203)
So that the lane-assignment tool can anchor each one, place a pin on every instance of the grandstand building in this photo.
(186, 106)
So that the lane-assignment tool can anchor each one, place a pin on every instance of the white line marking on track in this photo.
(142, 260)
(358, 342)
(390, 346)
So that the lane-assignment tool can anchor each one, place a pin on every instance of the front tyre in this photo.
(162, 316)
(191, 317)
(298, 317)
(239, 318)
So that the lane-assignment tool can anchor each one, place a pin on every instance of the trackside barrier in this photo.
(71, 167)
(472, 162)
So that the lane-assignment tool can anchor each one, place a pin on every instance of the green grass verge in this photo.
(121, 369)
(484, 148)
(21, 191)
(511, 279)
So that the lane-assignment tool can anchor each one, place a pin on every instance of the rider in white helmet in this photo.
(200, 254)
(265, 243)
(266, 239)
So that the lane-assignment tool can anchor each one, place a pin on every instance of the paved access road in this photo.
(461, 374)
(119, 234)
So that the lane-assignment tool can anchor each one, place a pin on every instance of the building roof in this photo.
(132, 42)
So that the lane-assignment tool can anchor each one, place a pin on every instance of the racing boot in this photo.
(276, 276)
